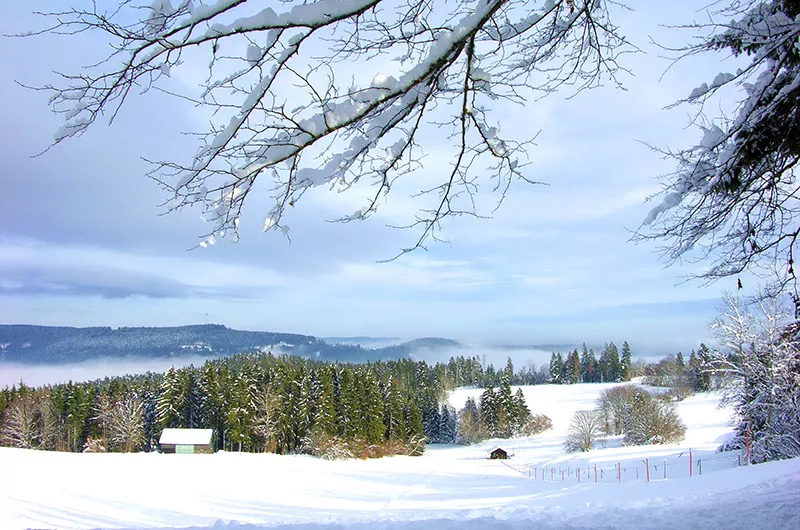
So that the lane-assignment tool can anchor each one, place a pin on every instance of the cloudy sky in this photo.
(82, 241)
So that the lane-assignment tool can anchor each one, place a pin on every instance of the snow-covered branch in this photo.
(289, 107)
(759, 361)
(734, 195)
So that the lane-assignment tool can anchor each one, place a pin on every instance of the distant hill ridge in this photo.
(57, 345)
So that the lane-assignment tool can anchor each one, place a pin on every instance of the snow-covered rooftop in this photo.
(186, 436)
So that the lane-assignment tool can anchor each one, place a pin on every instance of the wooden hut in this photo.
(498, 453)
(186, 441)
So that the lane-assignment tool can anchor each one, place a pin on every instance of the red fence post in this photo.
(690, 463)
(747, 447)
(647, 467)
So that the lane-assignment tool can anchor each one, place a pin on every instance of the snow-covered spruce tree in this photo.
(626, 363)
(733, 199)
(288, 108)
(760, 365)
(170, 400)
(448, 430)
(556, 368)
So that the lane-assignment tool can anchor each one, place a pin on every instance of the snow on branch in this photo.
(289, 108)
(733, 198)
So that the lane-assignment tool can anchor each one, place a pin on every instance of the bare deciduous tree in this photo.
(290, 111)
(126, 425)
(584, 430)
(268, 411)
(29, 422)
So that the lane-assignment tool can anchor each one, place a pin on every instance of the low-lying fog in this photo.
(37, 375)
(50, 374)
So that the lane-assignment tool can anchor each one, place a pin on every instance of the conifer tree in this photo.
(504, 408)
(626, 365)
(448, 430)
(371, 407)
(588, 365)
(430, 418)
(413, 421)
(325, 418)
(556, 368)
(488, 411)
(609, 365)
(393, 410)
(211, 410)
(520, 413)
(572, 368)
(170, 401)
(509, 371)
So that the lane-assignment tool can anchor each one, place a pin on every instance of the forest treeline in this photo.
(285, 404)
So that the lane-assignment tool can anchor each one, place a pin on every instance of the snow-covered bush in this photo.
(642, 418)
(654, 421)
(328, 447)
(94, 445)
(616, 404)
(536, 424)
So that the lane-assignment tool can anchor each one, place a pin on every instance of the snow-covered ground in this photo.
(448, 487)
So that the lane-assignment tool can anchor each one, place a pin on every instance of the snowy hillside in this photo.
(447, 487)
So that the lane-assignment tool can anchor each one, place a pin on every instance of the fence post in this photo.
(595, 473)
(665, 469)
(747, 446)
(647, 468)
(700, 466)
(690, 463)
(619, 473)
(579, 475)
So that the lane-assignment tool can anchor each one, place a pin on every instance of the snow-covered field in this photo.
(448, 487)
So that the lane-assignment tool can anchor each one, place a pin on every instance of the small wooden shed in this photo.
(498, 453)
(186, 441)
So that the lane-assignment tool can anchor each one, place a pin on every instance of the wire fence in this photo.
(674, 466)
